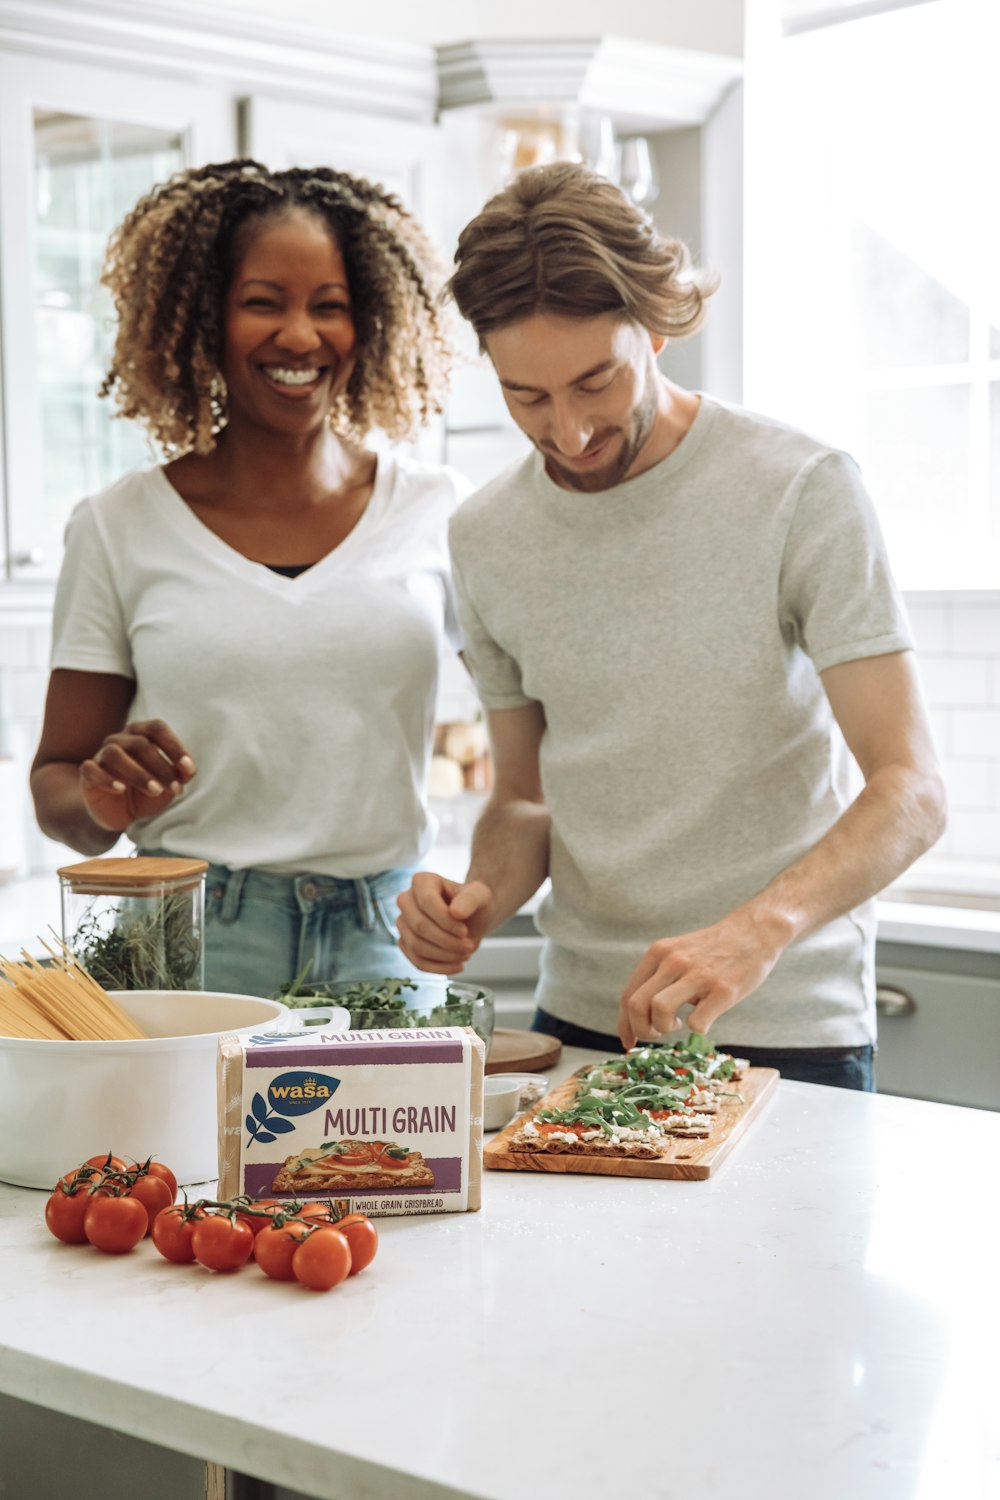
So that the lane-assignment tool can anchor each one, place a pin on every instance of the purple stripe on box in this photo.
(358, 1054)
(447, 1179)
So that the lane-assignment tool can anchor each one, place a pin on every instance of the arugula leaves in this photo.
(377, 1005)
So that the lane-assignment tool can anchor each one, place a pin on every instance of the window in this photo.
(79, 143)
(872, 277)
(88, 174)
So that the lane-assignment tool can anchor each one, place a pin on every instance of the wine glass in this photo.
(598, 147)
(636, 173)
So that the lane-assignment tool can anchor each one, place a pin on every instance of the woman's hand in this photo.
(136, 773)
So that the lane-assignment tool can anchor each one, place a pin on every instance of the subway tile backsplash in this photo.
(958, 645)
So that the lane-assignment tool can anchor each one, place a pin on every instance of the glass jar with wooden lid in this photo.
(137, 924)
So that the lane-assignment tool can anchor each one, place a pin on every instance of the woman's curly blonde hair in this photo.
(169, 264)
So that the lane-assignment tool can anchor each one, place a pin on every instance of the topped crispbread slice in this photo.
(339, 1165)
(631, 1106)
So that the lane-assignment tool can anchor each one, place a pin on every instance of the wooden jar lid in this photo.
(120, 874)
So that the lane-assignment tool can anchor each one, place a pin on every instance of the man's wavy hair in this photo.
(168, 267)
(562, 239)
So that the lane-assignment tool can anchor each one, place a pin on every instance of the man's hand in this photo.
(712, 969)
(442, 922)
(136, 773)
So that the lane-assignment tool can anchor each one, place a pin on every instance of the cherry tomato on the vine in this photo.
(274, 1247)
(262, 1207)
(157, 1169)
(172, 1231)
(316, 1210)
(64, 1215)
(154, 1195)
(221, 1243)
(115, 1225)
(362, 1236)
(107, 1161)
(322, 1260)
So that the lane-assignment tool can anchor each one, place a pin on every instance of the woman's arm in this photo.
(93, 774)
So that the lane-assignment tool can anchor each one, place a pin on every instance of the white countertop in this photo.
(820, 1319)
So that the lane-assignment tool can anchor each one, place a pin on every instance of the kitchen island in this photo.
(818, 1320)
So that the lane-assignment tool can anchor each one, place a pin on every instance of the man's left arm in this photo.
(899, 814)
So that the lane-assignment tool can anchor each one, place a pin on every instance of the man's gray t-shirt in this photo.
(673, 629)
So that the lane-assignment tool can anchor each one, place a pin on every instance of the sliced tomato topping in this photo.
(357, 1153)
(553, 1127)
(393, 1163)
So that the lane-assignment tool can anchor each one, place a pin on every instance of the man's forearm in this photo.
(510, 853)
(899, 814)
(62, 813)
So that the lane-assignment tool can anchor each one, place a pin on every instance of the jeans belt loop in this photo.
(230, 908)
(366, 906)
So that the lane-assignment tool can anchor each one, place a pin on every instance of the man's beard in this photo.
(589, 481)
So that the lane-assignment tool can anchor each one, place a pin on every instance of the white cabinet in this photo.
(939, 1025)
(78, 145)
(405, 157)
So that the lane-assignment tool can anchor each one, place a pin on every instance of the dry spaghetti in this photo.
(58, 1002)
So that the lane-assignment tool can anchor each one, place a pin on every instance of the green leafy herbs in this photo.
(141, 944)
(600, 1114)
(380, 1005)
(671, 1070)
(698, 1045)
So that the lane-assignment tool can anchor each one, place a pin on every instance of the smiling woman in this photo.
(247, 636)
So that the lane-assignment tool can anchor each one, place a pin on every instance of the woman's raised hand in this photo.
(136, 773)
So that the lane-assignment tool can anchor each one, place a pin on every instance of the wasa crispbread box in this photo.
(390, 1121)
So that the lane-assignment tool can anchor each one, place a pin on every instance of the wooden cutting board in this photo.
(522, 1051)
(692, 1160)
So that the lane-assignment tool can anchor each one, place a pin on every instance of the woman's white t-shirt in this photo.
(306, 703)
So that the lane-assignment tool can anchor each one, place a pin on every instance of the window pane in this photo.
(872, 267)
(914, 451)
(88, 173)
(904, 315)
(995, 467)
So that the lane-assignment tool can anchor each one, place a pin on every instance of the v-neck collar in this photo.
(178, 513)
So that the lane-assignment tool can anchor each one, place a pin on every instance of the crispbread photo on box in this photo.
(390, 1122)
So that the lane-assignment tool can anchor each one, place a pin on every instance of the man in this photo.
(680, 618)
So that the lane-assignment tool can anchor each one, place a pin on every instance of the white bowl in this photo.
(65, 1101)
(532, 1086)
(501, 1097)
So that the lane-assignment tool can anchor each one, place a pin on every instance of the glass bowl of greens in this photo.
(388, 1004)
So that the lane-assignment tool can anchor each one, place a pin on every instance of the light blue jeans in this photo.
(261, 929)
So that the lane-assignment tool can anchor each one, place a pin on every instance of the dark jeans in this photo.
(837, 1067)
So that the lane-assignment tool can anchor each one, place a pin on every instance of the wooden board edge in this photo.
(544, 1057)
(497, 1158)
(746, 1119)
